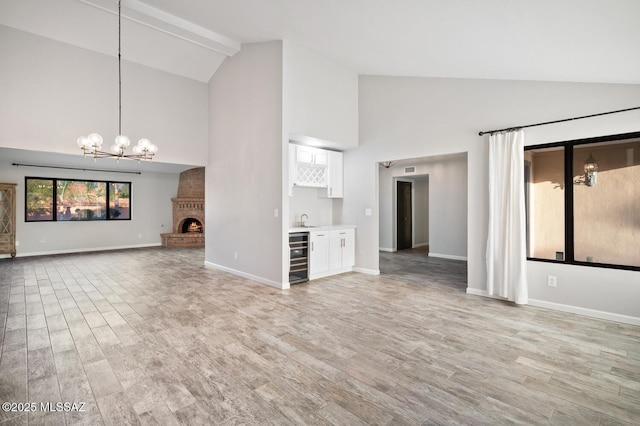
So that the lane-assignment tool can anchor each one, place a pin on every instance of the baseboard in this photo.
(388, 249)
(609, 316)
(251, 277)
(593, 313)
(86, 250)
(448, 256)
(367, 271)
(421, 245)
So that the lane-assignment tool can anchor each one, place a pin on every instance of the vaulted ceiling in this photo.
(549, 40)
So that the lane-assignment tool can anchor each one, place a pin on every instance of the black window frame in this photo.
(54, 206)
(569, 253)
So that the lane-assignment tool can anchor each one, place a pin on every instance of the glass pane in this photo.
(81, 200)
(119, 200)
(544, 178)
(606, 220)
(39, 200)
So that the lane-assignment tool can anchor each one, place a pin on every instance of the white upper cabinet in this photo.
(309, 155)
(334, 175)
(316, 168)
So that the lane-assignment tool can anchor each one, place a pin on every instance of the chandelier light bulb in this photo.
(95, 140)
(115, 149)
(144, 144)
(122, 141)
(83, 141)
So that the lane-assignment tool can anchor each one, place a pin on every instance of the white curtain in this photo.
(506, 245)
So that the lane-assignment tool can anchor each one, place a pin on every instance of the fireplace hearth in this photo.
(188, 211)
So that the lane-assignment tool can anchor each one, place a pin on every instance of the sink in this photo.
(309, 226)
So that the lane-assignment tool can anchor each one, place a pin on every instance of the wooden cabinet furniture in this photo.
(316, 168)
(341, 249)
(8, 219)
(318, 253)
(334, 175)
(309, 155)
(331, 252)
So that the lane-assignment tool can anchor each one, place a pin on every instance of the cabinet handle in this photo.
(311, 245)
(330, 191)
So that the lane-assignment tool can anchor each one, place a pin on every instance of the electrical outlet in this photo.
(235, 255)
(552, 281)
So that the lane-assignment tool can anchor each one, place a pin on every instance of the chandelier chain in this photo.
(92, 144)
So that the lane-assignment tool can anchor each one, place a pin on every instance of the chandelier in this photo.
(590, 171)
(92, 144)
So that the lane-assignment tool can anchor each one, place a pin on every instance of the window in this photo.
(583, 201)
(76, 200)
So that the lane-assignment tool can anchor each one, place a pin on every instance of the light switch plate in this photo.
(367, 212)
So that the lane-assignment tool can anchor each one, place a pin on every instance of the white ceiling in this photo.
(550, 40)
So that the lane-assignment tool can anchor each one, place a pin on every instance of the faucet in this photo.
(302, 220)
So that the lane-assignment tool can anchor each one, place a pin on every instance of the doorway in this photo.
(404, 209)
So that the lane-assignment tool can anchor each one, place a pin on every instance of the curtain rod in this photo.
(74, 168)
(557, 121)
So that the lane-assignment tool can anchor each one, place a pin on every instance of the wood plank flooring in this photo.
(152, 337)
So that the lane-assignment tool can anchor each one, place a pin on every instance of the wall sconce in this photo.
(590, 171)
(387, 164)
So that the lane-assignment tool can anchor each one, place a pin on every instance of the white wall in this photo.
(421, 222)
(446, 189)
(246, 171)
(306, 200)
(151, 214)
(417, 117)
(321, 98)
(52, 93)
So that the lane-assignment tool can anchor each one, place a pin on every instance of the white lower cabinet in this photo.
(331, 252)
(318, 253)
(341, 250)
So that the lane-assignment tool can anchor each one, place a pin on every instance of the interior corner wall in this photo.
(244, 175)
(53, 92)
(407, 117)
(151, 214)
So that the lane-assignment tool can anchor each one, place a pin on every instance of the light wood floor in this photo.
(151, 337)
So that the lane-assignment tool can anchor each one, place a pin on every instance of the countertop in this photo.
(320, 228)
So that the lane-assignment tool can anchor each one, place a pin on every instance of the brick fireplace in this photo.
(188, 211)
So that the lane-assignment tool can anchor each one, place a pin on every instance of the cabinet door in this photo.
(335, 173)
(342, 252)
(320, 157)
(304, 154)
(335, 253)
(318, 252)
(8, 219)
(349, 248)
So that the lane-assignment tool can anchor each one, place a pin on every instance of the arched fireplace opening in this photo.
(191, 225)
